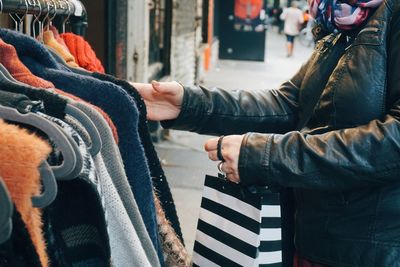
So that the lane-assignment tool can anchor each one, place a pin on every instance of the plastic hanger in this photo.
(60, 174)
(90, 127)
(6, 208)
(49, 193)
(8, 76)
(86, 122)
(79, 159)
(54, 133)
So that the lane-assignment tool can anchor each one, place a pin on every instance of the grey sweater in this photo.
(113, 163)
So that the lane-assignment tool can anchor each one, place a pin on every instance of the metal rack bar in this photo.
(76, 8)
(77, 11)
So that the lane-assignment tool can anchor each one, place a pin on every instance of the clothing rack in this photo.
(72, 8)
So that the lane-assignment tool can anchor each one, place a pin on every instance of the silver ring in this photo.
(219, 166)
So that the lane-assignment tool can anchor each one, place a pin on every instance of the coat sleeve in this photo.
(221, 112)
(368, 155)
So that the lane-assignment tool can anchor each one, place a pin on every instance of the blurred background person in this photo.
(293, 18)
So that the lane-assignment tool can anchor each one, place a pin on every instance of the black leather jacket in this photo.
(344, 164)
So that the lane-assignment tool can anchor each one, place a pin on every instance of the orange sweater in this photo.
(21, 153)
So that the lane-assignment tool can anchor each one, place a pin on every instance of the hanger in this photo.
(68, 16)
(86, 122)
(79, 158)
(52, 131)
(19, 21)
(8, 76)
(90, 127)
(72, 168)
(49, 185)
(37, 20)
(6, 208)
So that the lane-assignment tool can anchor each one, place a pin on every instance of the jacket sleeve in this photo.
(368, 155)
(221, 112)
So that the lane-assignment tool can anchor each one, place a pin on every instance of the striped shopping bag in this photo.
(237, 227)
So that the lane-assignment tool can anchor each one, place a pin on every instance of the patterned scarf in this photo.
(341, 15)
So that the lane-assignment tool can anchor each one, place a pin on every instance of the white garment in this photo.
(126, 248)
(293, 18)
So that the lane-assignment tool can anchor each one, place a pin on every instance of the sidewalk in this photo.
(183, 157)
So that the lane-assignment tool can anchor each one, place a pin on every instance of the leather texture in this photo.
(332, 134)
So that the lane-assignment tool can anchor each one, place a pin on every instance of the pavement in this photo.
(183, 157)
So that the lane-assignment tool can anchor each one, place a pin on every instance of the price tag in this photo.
(78, 7)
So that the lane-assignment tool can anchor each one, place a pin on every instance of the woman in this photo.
(331, 133)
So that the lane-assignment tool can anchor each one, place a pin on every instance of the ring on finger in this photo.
(219, 166)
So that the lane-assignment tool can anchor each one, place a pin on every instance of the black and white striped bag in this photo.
(237, 227)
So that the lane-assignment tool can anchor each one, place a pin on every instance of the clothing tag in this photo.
(78, 8)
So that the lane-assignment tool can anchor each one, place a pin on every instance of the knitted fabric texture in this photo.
(21, 154)
(126, 248)
(174, 251)
(58, 37)
(81, 233)
(118, 104)
(49, 39)
(160, 182)
(113, 162)
(19, 250)
(83, 52)
(11, 61)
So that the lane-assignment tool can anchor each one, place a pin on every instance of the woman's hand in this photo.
(163, 99)
(230, 150)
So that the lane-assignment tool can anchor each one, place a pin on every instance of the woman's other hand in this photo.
(230, 150)
(163, 99)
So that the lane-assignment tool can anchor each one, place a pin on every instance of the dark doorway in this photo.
(160, 38)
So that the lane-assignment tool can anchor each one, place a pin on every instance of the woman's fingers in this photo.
(170, 88)
(213, 155)
(211, 145)
(230, 150)
(233, 178)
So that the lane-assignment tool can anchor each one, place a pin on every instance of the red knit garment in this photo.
(83, 52)
(21, 154)
(10, 60)
(17, 69)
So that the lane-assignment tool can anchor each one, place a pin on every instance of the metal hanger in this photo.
(6, 208)
(50, 19)
(36, 20)
(68, 16)
(19, 21)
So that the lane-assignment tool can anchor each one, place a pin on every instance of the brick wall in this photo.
(183, 41)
